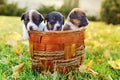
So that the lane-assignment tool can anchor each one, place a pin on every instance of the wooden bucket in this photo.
(57, 50)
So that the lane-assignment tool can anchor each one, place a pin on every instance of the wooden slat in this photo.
(39, 47)
(53, 41)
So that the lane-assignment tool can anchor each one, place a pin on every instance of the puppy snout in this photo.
(31, 28)
(85, 21)
(58, 26)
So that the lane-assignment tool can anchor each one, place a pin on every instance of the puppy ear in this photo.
(63, 20)
(46, 18)
(75, 12)
(41, 18)
(22, 16)
(72, 15)
(25, 33)
(84, 14)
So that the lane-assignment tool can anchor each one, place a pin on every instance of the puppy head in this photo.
(78, 17)
(32, 19)
(55, 20)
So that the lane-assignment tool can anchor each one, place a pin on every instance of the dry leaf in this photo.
(115, 64)
(12, 43)
(18, 68)
(15, 75)
(88, 68)
(107, 54)
(25, 43)
(92, 71)
(96, 44)
(110, 78)
(100, 61)
(70, 77)
(83, 68)
(16, 36)
(4, 60)
(18, 49)
(89, 65)
(101, 76)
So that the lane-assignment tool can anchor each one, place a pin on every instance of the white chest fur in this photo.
(72, 26)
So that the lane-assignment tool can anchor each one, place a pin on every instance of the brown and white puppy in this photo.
(75, 20)
(54, 20)
(32, 21)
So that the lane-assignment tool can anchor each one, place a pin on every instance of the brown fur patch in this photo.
(49, 25)
(66, 27)
(78, 11)
(76, 21)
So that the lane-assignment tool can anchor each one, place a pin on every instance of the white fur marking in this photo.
(30, 23)
(55, 26)
(43, 27)
(72, 26)
(25, 33)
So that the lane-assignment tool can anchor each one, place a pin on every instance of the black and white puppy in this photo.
(55, 20)
(32, 21)
(76, 19)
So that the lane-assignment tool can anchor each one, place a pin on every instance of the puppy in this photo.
(32, 21)
(55, 20)
(76, 19)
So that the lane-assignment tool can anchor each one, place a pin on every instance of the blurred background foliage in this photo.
(10, 9)
(109, 12)
(67, 6)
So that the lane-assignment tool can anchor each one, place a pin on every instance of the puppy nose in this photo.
(58, 27)
(85, 23)
(31, 28)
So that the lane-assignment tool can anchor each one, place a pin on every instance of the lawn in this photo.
(102, 45)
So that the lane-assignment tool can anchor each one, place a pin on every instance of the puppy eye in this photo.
(81, 17)
(52, 21)
(27, 19)
(54, 18)
(37, 19)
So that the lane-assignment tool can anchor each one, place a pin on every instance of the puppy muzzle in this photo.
(84, 21)
(31, 28)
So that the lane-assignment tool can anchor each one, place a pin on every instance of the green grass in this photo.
(100, 39)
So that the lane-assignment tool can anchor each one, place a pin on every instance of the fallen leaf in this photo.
(101, 76)
(11, 42)
(4, 60)
(82, 68)
(70, 77)
(16, 36)
(92, 71)
(89, 65)
(107, 54)
(110, 78)
(115, 64)
(18, 49)
(25, 43)
(18, 68)
(96, 44)
(100, 61)
(15, 75)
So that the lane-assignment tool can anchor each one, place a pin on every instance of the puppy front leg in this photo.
(25, 33)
